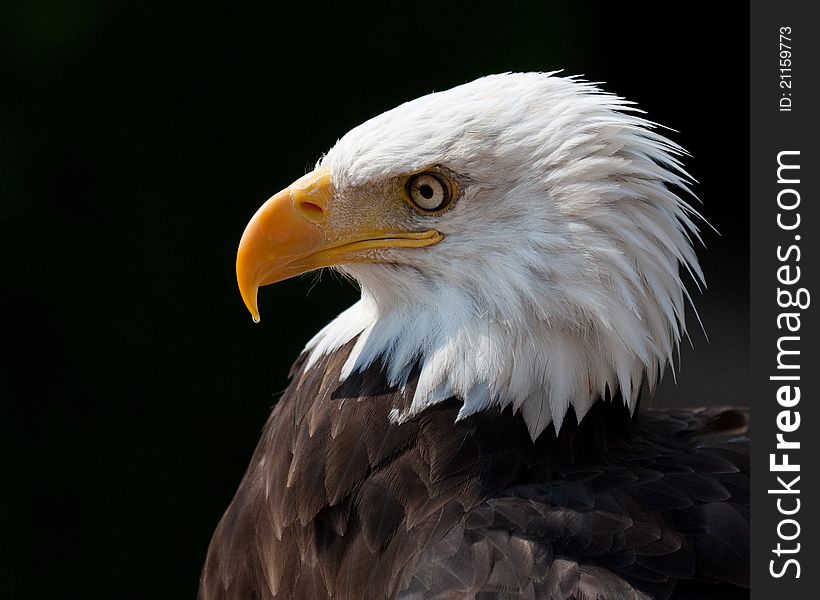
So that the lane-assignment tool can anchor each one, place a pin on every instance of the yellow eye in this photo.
(429, 191)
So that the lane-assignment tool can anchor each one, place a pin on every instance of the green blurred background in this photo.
(137, 140)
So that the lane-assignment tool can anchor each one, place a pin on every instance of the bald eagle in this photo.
(469, 428)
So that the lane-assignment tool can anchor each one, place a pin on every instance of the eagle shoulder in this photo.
(339, 502)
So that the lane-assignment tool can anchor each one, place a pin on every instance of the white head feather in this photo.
(558, 277)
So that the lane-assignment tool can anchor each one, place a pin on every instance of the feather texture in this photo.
(340, 502)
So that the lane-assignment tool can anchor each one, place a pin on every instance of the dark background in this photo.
(137, 140)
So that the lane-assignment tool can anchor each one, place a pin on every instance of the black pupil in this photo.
(426, 190)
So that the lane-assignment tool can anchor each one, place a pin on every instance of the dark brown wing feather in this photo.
(340, 503)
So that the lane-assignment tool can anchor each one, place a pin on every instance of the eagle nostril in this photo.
(312, 212)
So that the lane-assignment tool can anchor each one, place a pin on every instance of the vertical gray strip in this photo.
(785, 222)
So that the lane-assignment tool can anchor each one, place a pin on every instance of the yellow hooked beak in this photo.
(298, 230)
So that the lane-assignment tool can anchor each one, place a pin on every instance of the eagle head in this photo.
(517, 240)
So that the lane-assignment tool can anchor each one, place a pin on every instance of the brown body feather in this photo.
(339, 502)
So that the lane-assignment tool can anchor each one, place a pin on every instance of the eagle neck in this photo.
(536, 368)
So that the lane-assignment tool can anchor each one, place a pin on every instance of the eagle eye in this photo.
(429, 192)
